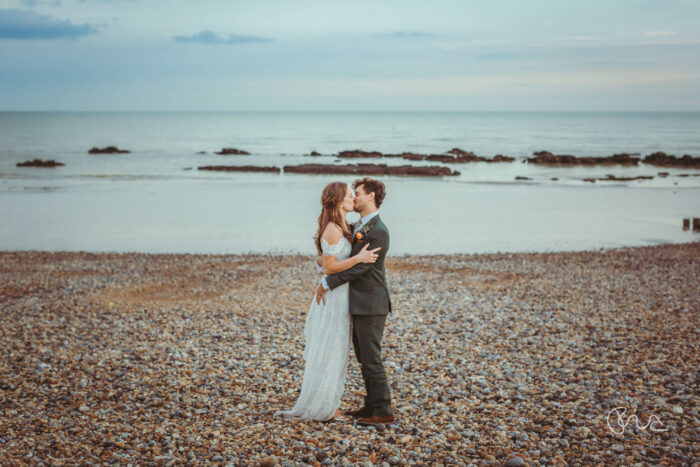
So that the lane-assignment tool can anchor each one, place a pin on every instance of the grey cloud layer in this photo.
(33, 3)
(446, 54)
(210, 37)
(25, 24)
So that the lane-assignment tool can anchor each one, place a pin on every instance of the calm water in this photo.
(154, 199)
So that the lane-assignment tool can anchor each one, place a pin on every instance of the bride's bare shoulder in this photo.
(332, 233)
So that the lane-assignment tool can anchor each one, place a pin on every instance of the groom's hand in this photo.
(320, 294)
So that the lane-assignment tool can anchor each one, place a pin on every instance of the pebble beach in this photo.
(493, 359)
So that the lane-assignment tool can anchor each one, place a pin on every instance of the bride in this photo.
(328, 329)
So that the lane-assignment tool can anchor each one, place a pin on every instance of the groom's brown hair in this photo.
(371, 186)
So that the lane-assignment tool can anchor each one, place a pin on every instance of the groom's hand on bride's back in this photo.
(377, 240)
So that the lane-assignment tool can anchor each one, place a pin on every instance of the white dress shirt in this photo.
(363, 221)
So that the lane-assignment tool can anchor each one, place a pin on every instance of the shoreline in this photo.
(299, 254)
(138, 358)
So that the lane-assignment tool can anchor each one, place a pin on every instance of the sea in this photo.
(154, 200)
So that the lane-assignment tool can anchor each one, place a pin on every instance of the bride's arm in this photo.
(331, 265)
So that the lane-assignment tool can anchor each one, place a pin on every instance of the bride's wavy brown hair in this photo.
(331, 198)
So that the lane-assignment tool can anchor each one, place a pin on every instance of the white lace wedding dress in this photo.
(327, 331)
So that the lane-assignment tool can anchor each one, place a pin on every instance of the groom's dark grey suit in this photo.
(369, 306)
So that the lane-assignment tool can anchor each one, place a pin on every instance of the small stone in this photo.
(677, 409)
(394, 460)
(516, 461)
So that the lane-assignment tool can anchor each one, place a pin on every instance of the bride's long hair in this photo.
(331, 199)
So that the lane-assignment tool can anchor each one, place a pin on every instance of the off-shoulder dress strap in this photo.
(332, 250)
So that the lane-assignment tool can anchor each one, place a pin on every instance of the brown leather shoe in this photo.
(363, 412)
(376, 420)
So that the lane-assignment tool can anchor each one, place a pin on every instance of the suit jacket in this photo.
(369, 292)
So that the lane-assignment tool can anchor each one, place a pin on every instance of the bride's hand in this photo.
(367, 256)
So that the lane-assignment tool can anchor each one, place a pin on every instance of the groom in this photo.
(369, 301)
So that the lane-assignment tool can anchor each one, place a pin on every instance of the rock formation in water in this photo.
(39, 163)
(455, 155)
(233, 151)
(108, 150)
(546, 157)
(239, 168)
(370, 169)
(661, 159)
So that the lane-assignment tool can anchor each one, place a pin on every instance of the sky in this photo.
(350, 55)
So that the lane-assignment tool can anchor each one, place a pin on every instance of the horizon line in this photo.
(347, 111)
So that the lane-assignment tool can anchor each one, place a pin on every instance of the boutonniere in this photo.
(361, 234)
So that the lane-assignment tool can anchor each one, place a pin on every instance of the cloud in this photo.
(25, 24)
(409, 34)
(210, 37)
(32, 3)
(659, 33)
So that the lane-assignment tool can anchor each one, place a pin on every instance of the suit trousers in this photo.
(367, 333)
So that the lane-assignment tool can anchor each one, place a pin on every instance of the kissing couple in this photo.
(351, 303)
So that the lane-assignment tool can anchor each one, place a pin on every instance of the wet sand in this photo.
(176, 359)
